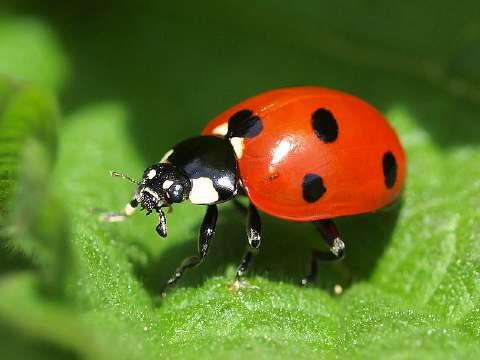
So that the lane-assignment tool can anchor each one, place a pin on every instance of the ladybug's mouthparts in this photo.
(150, 200)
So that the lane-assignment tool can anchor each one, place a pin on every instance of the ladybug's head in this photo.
(162, 184)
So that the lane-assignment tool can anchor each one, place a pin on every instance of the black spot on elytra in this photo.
(312, 187)
(389, 165)
(324, 125)
(244, 124)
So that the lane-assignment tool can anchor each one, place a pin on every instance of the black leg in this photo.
(207, 230)
(254, 229)
(332, 238)
(162, 223)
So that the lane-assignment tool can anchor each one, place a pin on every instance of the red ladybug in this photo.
(306, 154)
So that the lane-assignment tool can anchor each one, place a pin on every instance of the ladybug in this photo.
(304, 154)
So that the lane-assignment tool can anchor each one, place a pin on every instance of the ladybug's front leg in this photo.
(254, 228)
(162, 223)
(127, 211)
(207, 231)
(332, 238)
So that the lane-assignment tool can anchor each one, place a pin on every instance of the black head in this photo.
(162, 184)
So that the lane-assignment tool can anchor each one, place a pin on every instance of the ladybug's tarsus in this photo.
(127, 211)
(244, 264)
(254, 231)
(332, 238)
(207, 231)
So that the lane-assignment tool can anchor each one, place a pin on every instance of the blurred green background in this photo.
(86, 87)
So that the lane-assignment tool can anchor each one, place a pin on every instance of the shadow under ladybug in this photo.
(285, 251)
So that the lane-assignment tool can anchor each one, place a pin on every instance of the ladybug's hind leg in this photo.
(332, 238)
(254, 228)
(207, 231)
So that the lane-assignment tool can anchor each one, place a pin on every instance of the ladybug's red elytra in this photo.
(305, 154)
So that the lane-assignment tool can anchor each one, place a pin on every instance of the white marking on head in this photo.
(237, 143)
(167, 184)
(128, 210)
(166, 156)
(203, 191)
(151, 192)
(221, 129)
(151, 174)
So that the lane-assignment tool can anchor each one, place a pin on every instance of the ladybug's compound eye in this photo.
(174, 191)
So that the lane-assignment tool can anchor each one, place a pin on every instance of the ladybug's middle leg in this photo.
(207, 231)
(254, 228)
(332, 238)
(242, 209)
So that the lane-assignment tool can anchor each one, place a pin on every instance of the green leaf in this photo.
(30, 52)
(36, 319)
(35, 256)
(30, 324)
(410, 285)
(420, 298)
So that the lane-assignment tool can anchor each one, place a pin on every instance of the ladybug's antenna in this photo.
(123, 176)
